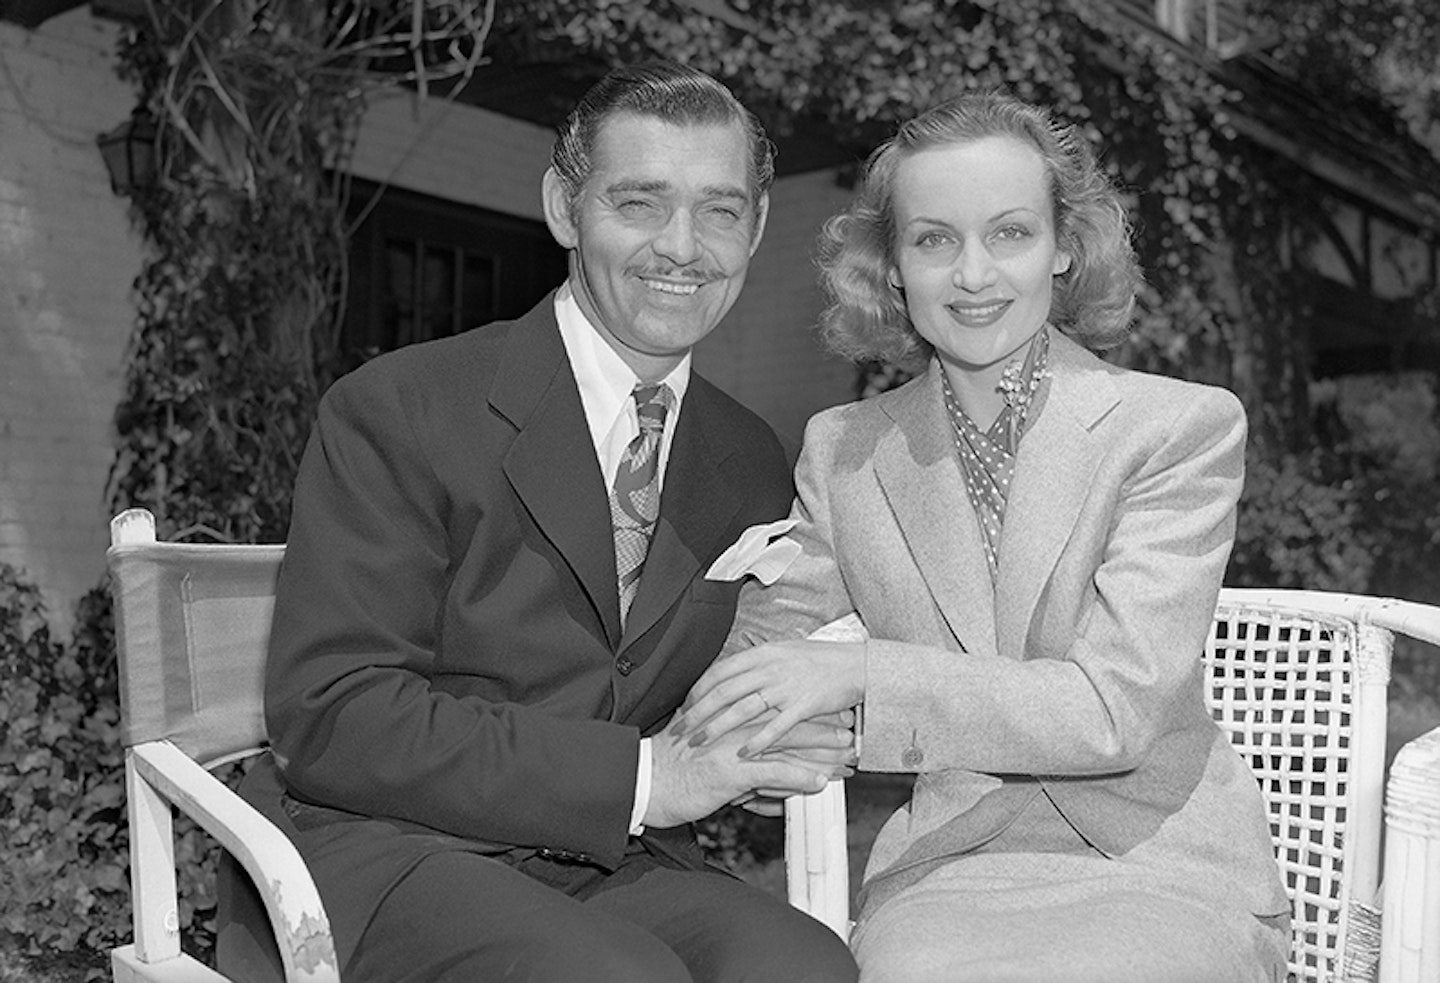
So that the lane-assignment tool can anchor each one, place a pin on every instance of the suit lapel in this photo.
(551, 465)
(1058, 456)
(918, 469)
(701, 497)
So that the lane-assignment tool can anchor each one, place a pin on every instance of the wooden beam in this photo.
(126, 10)
(30, 14)
(1416, 207)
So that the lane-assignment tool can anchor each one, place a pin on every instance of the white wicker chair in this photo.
(1298, 679)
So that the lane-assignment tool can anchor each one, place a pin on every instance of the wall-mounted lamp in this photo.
(129, 152)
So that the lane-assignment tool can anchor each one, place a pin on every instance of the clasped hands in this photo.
(760, 725)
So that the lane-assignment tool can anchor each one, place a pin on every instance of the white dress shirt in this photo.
(605, 384)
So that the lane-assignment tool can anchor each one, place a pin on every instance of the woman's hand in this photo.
(797, 680)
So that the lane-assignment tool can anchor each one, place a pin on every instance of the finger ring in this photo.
(763, 700)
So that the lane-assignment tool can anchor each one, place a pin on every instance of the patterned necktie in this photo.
(635, 499)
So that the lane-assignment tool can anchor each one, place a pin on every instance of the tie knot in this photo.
(652, 403)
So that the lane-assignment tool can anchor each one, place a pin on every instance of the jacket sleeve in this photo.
(355, 721)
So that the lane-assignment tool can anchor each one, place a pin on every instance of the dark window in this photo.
(423, 268)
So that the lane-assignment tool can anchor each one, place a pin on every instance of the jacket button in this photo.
(912, 757)
(623, 665)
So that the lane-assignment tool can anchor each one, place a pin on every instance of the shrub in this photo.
(735, 839)
(62, 795)
(1357, 513)
(62, 792)
(1296, 529)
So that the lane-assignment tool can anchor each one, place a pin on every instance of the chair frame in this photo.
(160, 775)
(1337, 929)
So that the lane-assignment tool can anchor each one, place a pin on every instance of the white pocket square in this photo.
(754, 554)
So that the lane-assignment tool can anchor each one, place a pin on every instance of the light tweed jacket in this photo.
(1077, 675)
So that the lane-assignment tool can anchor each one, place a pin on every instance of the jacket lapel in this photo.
(701, 497)
(919, 472)
(1057, 459)
(551, 465)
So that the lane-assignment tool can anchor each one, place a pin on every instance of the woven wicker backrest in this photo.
(1283, 685)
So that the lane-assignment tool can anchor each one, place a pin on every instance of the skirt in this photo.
(1038, 904)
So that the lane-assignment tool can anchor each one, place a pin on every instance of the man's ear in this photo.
(761, 213)
(557, 209)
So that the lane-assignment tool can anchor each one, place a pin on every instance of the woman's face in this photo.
(975, 248)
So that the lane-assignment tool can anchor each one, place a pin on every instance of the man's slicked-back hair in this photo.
(665, 90)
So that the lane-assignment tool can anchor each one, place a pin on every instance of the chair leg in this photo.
(126, 967)
(153, 890)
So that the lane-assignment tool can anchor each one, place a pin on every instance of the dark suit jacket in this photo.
(447, 667)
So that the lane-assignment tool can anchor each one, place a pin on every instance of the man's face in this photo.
(660, 236)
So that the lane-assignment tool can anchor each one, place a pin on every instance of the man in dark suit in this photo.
(483, 627)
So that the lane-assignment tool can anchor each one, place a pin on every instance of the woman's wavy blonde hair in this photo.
(866, 319)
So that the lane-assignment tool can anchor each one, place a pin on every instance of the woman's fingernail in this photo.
(679, 729)
(746, 751)
(697, 738)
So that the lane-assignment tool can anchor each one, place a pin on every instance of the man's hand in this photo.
(690, 780)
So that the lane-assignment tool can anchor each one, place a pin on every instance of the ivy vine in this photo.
(240, 302)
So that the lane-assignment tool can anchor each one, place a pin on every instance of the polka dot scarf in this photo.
(987, 459)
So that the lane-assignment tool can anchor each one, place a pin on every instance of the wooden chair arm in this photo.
(297, 915)
(1410, 930)
(817, 867)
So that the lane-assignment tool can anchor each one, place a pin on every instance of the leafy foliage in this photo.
(1299, 530)
(240, 305)
(1385, 47)
(61, 779)
(1357, 512)
(62, 793)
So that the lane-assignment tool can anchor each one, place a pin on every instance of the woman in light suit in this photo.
(1034, 541)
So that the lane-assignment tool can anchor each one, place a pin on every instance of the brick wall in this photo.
(67, 259)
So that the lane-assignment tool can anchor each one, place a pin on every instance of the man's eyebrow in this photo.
(636, 185)
(726, 191)
(655, 187)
